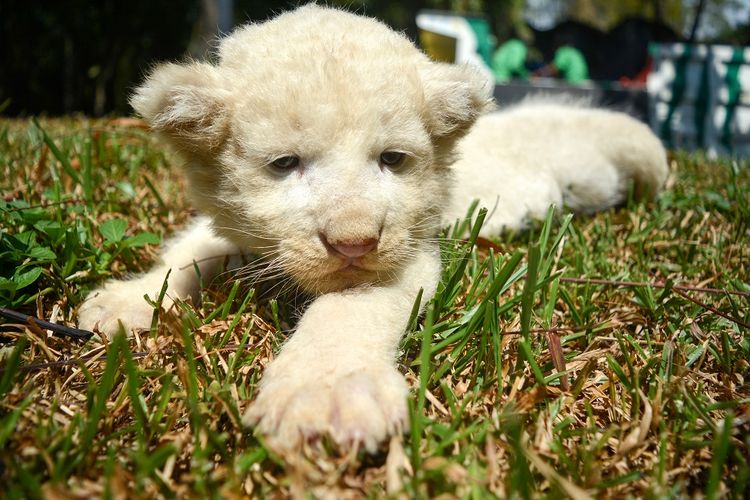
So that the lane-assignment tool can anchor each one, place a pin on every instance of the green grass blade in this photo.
(11, 366)
(529, 287)
(721, 447)
(59, 155)
(103, 390)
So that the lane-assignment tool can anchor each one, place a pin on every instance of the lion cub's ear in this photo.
(455, 96)
(187, 103)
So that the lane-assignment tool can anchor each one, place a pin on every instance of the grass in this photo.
(530, 377)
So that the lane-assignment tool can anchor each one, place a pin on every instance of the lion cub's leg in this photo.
(123, 301)
(337, 374)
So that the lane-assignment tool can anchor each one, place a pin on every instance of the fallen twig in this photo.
(65, 331)
(711, 308)
(593, 281)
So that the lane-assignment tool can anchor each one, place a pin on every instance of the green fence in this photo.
(699, 97)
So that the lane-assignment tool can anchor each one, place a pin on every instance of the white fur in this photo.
(521, 160)
(337, 90)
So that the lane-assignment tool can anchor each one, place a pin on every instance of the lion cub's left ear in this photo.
(455, 96)
(187, 103)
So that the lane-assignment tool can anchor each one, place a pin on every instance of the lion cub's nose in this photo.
(351, 248)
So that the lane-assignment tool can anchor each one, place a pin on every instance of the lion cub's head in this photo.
(321, 139)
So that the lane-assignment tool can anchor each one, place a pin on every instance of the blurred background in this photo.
(86, 56)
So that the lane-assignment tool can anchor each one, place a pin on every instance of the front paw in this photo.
(116, 302)
(358, 404)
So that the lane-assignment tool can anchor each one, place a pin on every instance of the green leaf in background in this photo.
(42, 253)
(142, 239)
(127, 189)
(26, 278)
(6, 284)
(52, 229)
(22, 241)
(113, 230)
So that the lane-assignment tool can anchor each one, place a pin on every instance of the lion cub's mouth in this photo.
(352, 265)
(351, 257)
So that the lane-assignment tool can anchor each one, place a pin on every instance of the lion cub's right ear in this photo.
(186, 103)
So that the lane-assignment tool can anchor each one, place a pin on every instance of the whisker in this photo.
(253, 234)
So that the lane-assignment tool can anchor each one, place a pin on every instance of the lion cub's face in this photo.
(321, 140)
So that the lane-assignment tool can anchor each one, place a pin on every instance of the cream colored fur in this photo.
(519, 161)
(337, 90)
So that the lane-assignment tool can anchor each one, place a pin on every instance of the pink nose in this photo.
(351, 248)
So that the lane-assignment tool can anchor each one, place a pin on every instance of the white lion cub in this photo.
(327, 143)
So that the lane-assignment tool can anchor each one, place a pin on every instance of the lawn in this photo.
(589, 356)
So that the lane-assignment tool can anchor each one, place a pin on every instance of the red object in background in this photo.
(639, 80)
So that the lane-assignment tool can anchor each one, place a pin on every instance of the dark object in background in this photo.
(622, 52)
(585, 38)
(626, 49)
(63, 56)
(85, 56)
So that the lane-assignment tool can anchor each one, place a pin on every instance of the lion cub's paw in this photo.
(354, 406)
(115, 302)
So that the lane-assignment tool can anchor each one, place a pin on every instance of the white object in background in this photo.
(458, 28)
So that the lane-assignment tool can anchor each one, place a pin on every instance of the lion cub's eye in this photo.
(286, 162)
(392, 158)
